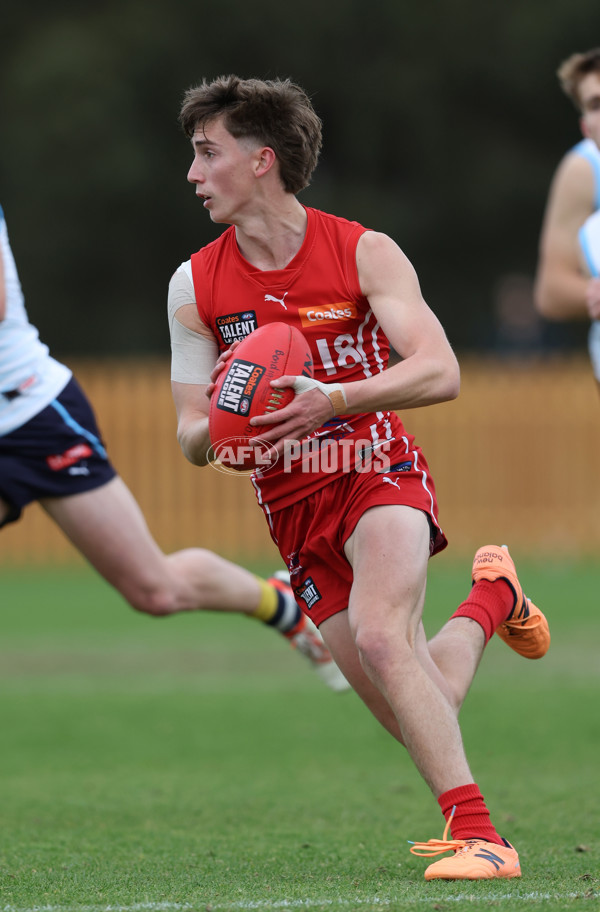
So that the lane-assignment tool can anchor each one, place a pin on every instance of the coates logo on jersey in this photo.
(236, 326)
(328, 313)
(239, 386)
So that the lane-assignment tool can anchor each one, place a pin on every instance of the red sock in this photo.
(471, 818)
(489, 603)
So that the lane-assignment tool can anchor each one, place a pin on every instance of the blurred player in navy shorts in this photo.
(51, 451)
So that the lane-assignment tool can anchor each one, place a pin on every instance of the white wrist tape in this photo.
(334, 392)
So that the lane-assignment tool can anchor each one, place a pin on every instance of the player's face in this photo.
(223, 171)
(589, 96)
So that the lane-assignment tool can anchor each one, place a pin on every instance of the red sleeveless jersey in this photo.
(319, 293)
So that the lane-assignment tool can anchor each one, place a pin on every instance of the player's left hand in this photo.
(219, 365)
(311, 407)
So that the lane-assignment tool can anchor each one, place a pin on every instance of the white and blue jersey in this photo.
(50, 445)
(28, 373)
(589, 241)
(588, 149)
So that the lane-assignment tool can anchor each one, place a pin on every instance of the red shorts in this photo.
(311, 533)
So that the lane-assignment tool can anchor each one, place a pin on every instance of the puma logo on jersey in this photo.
(389, 481)
(275, 300)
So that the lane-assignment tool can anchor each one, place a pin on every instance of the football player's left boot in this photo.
(305, 637)
(526, 628)
(472, 859)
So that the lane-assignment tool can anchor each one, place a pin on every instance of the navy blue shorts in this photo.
(57, 453)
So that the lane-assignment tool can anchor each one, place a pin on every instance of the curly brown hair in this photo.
(574, 69)
(276, 113)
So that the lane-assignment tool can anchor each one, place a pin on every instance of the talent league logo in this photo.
(236, 326)
(239, 386)
(308, 592)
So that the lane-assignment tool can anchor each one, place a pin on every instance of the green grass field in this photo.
(196, 763)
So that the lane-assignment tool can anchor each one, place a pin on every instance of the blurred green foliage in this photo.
(443, 125)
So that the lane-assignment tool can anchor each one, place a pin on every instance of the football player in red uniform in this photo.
(350, 502)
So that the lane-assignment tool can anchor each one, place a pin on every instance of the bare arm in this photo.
(427, 374)
(560, 285)
(191, 404)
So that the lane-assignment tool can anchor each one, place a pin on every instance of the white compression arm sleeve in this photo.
(193, 354)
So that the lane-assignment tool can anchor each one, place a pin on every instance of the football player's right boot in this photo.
(526, 629)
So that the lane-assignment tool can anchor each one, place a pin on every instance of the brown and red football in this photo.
(243, 390)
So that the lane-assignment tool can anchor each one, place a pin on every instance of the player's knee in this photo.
(377, 649)
(373, 647)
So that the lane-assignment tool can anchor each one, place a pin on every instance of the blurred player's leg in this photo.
(107, 526)
(304, 636)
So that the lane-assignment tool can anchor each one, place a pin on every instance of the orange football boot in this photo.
(473, 859)
(526, 629)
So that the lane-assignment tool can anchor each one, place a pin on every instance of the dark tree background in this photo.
(443, 125)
